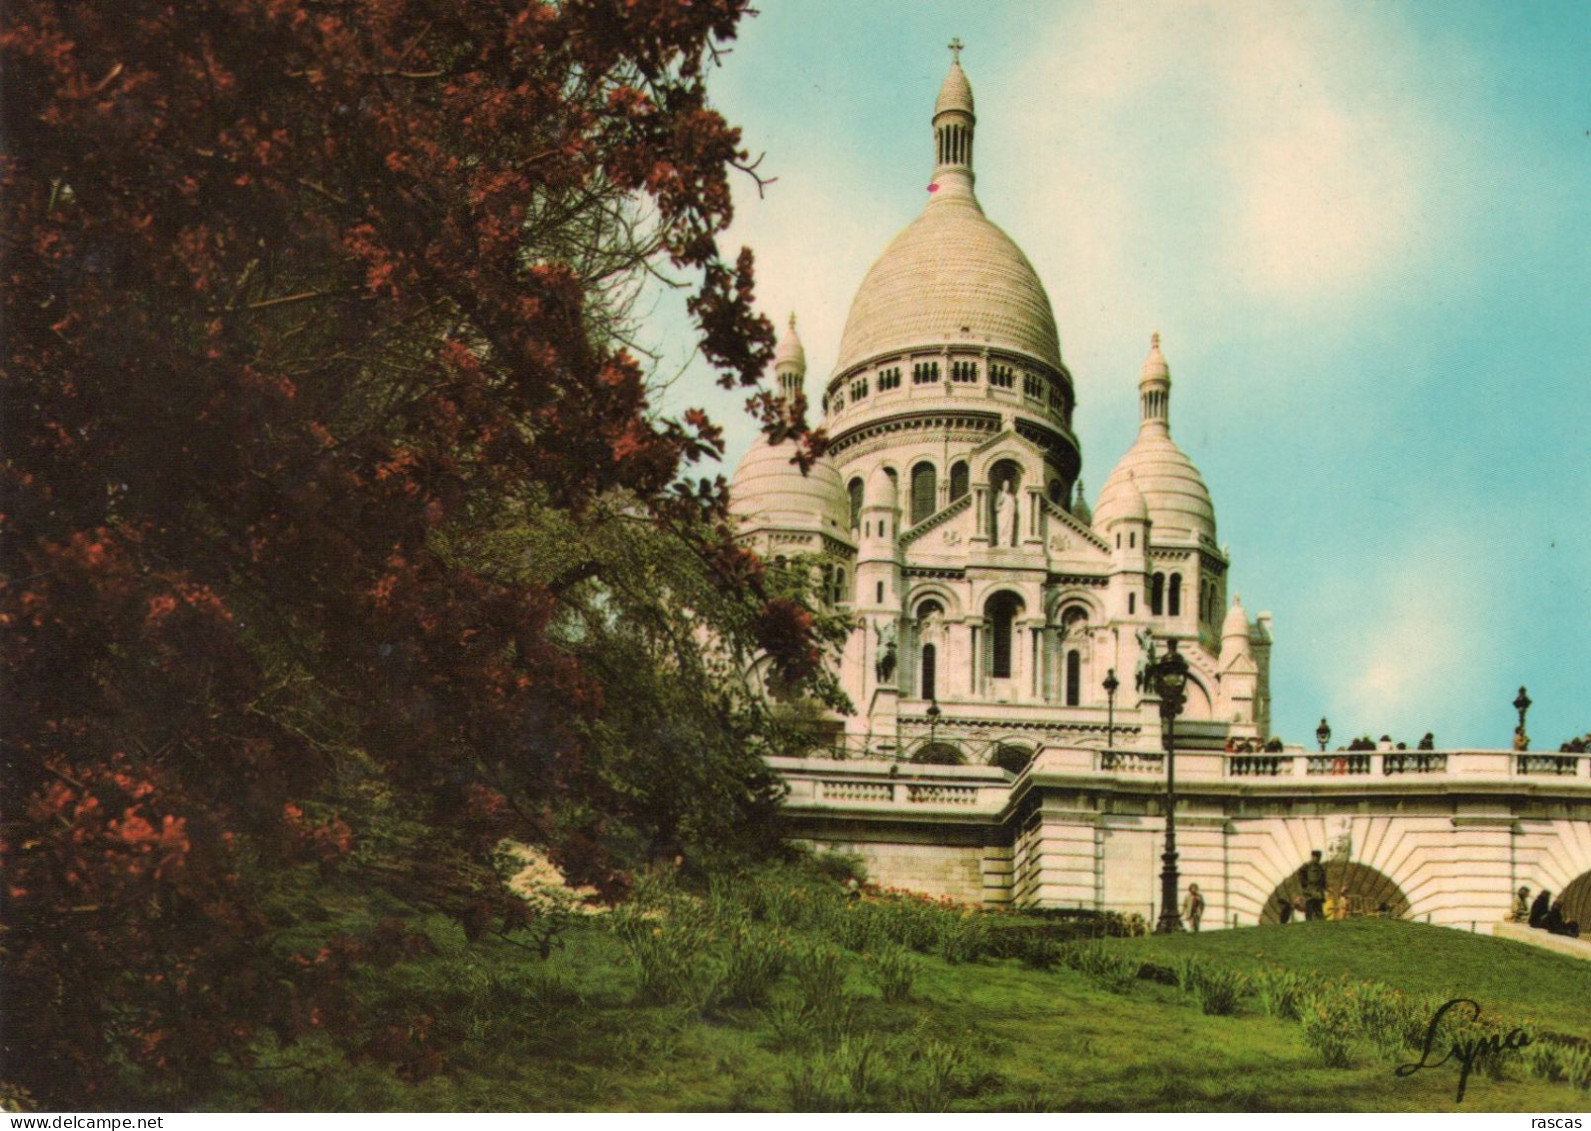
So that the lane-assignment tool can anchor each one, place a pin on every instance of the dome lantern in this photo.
(1154, 390)
(790, 363)
(954, 122)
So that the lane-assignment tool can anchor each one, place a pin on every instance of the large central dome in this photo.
(951, 276)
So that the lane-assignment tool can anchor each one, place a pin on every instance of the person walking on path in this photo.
(1193, 907)
(1312, 878)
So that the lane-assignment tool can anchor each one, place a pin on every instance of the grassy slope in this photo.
(565, 1035)
(1504, 976)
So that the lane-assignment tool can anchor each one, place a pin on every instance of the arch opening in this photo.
(1370, 893)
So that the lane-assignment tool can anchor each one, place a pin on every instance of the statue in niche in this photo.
(884, 666)
(1005, 519)
(1146, 657)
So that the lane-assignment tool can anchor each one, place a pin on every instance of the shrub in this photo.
(820, 973)
(1328, 1028)
(964, 937)
(1102, 965)
(667, 955)
(746, 966)
(1280, 993)
(840, 1079)
(936, 1073)
(892, 970)
(1219, 991)
(838, 867)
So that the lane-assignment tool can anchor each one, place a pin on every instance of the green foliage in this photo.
(1218, 989)
(1329, 1026)
(893, 970)
(1281, 993)
(1105, 966)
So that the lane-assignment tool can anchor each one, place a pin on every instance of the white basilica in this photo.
(986, 760)
(950, 520)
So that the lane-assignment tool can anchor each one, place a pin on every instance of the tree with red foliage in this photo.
(300, 296)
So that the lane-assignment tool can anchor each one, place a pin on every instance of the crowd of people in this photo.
(1385, 743)
(1318, 901)
(1576, 745)
(1544, 913)
(1252, 746)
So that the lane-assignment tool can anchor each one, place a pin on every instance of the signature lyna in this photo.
(1466, 1053)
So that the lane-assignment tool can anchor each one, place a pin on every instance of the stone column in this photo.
(1033, 520)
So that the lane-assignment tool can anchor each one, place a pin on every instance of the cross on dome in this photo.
(955, 46)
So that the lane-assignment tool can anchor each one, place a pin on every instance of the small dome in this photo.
(1179, 502)
(1124, 503)
(1165, 479)
(789, 351)
(768, 491)
(882, 489)
(956, 93)
(1236, 623)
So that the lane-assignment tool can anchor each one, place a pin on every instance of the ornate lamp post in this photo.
(1323, 734)
(1170, 676)
(1111, 685)
(1522, 704)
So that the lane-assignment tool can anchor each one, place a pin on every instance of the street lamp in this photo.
(933, 724)
(1522, 704)
(1170, 676)
(1111, 684)
(1323, 734)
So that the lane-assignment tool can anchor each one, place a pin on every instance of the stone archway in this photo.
(939, 754)
(1370, 892)
(1577, 903)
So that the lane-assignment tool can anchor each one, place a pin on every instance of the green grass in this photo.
(1525, 982)
(514, 1033)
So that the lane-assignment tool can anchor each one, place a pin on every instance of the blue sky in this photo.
(1364, 232)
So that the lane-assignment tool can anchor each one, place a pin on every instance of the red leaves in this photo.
(294, 293)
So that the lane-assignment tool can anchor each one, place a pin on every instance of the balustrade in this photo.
(1558, 765)
(1339, 764)
(1418, 763)
(1258, 766)
(1131, 762)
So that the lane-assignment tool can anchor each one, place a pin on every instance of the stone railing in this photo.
(1131, 762)
(1558, 765)
(1420, 762)
(920, 794)
(1338, 764)
(856, 790)
(975, 791)
(1258, 766)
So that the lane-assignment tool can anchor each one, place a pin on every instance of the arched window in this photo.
(927, 668)
(855, 489)
(1174, 596)
(1132, 539)
(959, 480)
(1001, 613)
(1057, 492)
(1074, 677)
(925, 488)
(1157, 594)
(1132, 604)
(839, 586)
(880, 597)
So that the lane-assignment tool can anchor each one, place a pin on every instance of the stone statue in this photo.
(1146, 658)
(1005, 522)
(884, 666)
